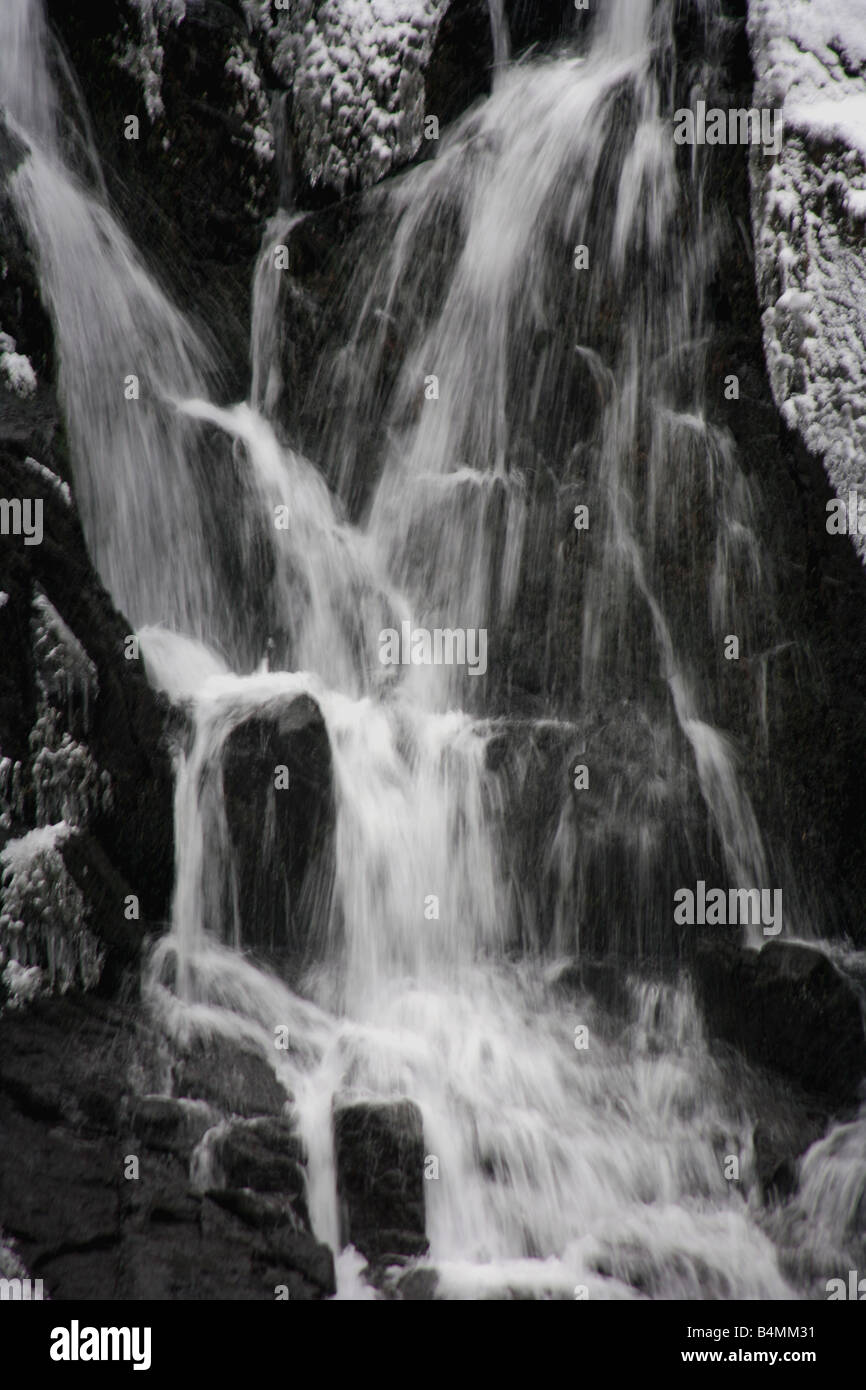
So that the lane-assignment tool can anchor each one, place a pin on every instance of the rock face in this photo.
(71, 1111)
(281, 836)
(380, 1162)
(231, 1077)
(577, 853)
(262, 1154)
(82, 746)
(788, 1008)
(778, 1145)
(810, 214)
(170, 1124)
(806, 793)
(82, 734)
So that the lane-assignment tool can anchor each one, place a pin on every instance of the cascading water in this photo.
(557, 1166)
(124, 351)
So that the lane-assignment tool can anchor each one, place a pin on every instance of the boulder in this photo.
(67, 1106)
(380, 1161)
(230, 1076)
(603, 980)
(777, 1145)
(111, 774)
(262, 1211)
(307, 1258)
(170, 1125)
(265, 1155)
(281, 838)
(787, 1008)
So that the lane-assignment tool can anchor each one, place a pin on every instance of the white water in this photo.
(557, 1167)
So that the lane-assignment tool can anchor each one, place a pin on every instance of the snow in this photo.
(66, 781)
(809, 206)
(356, 68)
(253, 107)
(45, 475)
(840, 121)
(44, 942)
(23, 983)
(17, 854)
(10, 1263)
(15, 368)
(143, 57)
(65, 675)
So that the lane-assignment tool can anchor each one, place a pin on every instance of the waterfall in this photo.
(508, 408)
(500, 35)
(125, 352)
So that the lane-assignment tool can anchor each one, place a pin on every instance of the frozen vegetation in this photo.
(809, 209)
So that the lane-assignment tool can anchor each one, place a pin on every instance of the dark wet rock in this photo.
(418, 1286)
(262, 1211)
(660, 1274)
(544, 21)
(68, 1114)
(380, 1162)
(307, 1256)
(778, 1145)
(109, 772)
(105, 893)
(265, 1155)
(788, 1008)
(31, 1077)
(281, 836)
(461, 65)
(175, 1126)
(290, 1244)
(604, 980)
(575, 853)
(229, 1075)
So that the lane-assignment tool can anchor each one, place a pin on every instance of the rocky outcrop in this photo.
(379, 1149)
(809, 209)
(777, 1145)
(263, 1154)
(171, 1125)
(82, 750)
(586, 803)
(115, 1213)
(808, 793)
(279, 808)
(789, 1009)
(227, 1075)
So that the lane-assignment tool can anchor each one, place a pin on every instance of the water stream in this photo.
(557, 1167)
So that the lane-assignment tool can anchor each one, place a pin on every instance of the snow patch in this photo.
(356, 69)
(143, 57)
(45, 475)
(808, 210)
(16, 369)
(44, 943)
(65, 675)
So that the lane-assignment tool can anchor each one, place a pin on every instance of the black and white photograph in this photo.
(432, 671)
